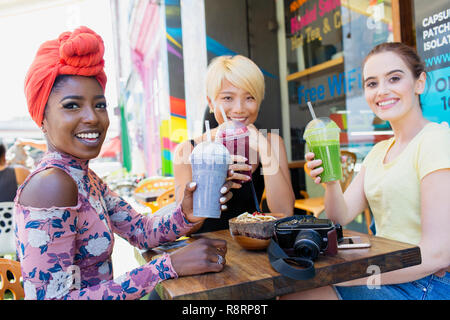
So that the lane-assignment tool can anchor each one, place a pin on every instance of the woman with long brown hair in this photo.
(404, 180)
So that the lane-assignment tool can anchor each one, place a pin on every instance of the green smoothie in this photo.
(329, 153)
(322, 136)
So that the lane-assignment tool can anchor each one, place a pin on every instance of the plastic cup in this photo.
(209, 161)
(235, 136)
(322, 136)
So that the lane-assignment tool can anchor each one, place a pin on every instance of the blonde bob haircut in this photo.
(240, 71)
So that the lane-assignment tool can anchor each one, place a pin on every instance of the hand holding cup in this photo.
(315, 166)
(240, 170)
(188, 198)
(322, 137)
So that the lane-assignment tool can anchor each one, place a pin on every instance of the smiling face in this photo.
(76, 119)
(237, 84)
(390, 88)
(237, 103)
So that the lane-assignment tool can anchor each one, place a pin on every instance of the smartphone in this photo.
(353, 243)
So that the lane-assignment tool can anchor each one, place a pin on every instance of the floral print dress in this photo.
(65, 253)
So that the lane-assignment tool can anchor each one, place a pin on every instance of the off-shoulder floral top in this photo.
(65, 253)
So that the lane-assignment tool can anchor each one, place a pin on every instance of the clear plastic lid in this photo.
(232, 129)
(320, 125)
(211, 150)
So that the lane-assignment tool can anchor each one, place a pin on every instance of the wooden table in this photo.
(249, 275)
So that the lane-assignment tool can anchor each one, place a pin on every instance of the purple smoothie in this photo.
(235, 136)
(209, 162)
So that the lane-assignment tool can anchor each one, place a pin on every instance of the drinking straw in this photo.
(208, 131)
(224, 116)
(311, 109)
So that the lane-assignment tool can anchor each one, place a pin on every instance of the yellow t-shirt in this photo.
(393, 189)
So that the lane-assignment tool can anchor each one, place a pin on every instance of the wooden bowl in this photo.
(253, 235)
(251, 243)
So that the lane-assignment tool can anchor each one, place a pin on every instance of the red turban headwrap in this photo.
(74, 53)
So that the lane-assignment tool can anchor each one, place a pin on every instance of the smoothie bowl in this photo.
(254, 231)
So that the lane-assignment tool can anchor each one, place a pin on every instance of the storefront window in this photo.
(433, 43)
(327, 41)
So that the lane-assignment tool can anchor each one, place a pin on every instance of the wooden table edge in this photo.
(280, 289)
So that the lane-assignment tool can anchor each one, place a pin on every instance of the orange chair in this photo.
(316, 206)
(166, 198)
(154, 184)
(151, 184)
(10, 275)
(313, 206)
(291, 165)
(368, 218)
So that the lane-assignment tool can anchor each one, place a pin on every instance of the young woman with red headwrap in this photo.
(65, 214)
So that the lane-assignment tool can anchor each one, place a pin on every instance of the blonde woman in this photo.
(237, 85)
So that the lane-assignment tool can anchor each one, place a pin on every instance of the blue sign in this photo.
(433, 45)
(436, 98)
(335, 86)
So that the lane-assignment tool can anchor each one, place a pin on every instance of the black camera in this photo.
(307, 236)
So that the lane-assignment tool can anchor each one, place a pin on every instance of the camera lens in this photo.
(285, 238)
(307, 244)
